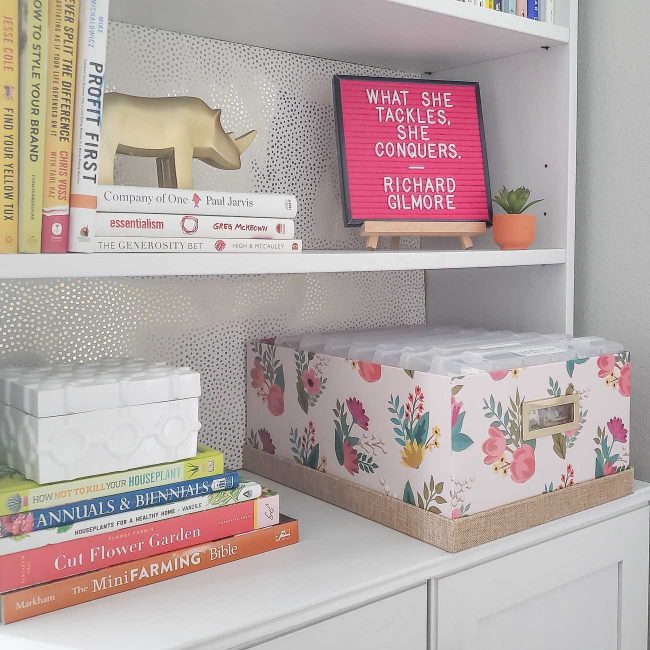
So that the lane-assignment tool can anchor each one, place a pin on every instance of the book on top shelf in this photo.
(9, 127)
(63, 24)
(117, 198)
(91, 61)
(197, 245)
(33, 76)
(41, 599)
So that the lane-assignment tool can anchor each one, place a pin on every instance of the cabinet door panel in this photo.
(396, 622)
(588, 589)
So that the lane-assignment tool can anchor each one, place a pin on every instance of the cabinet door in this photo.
(396, 622)
(587, 589)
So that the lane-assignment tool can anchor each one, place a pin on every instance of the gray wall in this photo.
(613, 194)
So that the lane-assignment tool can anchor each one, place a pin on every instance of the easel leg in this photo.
(372, 241)
(466, 242)
(394, 243)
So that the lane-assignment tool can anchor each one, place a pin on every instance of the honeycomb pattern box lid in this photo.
(66, 388)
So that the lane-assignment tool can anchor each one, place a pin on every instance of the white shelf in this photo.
(410, 35)
(106, 265)
(240, 604)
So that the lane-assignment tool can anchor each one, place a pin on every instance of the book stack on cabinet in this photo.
(103, 487)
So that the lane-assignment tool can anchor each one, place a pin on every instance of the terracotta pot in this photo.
(513, 231)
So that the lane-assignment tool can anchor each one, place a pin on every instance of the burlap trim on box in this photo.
(450, 535)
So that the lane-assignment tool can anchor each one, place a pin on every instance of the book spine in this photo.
(522, 7)
(114, 224)
(99, 507)
(91, 61)
(79, 556)
(112, 523)
(63, 25)
(532, 10)
(194, 245)
(33, 75)
(15, 499)
(33, 601)
(549, 11)
(9, 122)
(512, 6)
(489, 4)
(115, 198)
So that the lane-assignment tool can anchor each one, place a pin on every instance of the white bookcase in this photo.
(385, 590)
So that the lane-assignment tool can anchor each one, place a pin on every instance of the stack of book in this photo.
(62, 544)
(543, 10)
(51, 98)
(150, 220)
(106, 515)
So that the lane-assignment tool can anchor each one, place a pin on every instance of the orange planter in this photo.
(513, 231)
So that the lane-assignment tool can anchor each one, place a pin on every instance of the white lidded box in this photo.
(454, 421)
(69, 420)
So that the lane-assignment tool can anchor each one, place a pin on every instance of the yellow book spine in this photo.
(33, 53)
(63, 26)
(9, 127)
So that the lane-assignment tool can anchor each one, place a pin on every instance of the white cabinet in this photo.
(399, 621)
(587, 589)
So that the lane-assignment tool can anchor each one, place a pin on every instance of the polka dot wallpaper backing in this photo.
(205, 321)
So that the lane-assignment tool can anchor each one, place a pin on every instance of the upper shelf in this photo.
(411, 35)
(106, 265)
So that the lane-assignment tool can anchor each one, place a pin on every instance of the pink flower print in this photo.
(350, 460)
(357, 412)
(311, 382)
(275, 400)
(455, 410)
(17, 524)
(606, 364)
(494, 446)
(267, 442)
(369, 372)
(609, 469)
(455, 513)
(624, 381)
(257, 374)
(617, 429)
(522, 465)
(498, 375)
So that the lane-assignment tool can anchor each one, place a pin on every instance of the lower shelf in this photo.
(317, 261)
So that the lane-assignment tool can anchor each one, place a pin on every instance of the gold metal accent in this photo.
(527, 408)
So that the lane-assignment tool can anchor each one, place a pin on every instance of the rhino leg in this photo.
(166, 172)
(183, 165)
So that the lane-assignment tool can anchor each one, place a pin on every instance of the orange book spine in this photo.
(42, 599)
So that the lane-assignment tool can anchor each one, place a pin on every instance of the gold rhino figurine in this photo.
(174, 130)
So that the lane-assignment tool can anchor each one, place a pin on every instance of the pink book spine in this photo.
(78, 556)
(522, 8)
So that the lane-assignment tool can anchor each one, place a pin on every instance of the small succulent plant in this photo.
(514, 201)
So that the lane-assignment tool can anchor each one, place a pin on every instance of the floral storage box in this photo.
(452, 444)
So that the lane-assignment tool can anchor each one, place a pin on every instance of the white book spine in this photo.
(549, 11)
(198, 245)
(91, 61)
(116, 198)
(120, 224)
(112, 523)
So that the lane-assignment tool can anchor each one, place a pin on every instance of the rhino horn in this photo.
(244, 141)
